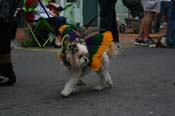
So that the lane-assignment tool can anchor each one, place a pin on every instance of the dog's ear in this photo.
(65, 41)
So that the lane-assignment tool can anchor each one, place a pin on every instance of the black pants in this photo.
(5, 38)
(108, 18)
(13, 25)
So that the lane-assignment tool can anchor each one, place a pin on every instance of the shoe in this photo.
(146, 42)
(139, 42)
(8, 81)
(3, 79)
(150, 43)
(7, 75)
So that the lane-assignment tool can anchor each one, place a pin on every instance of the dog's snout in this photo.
(86, 60)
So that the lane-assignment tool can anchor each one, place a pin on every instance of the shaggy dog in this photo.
(83, 53)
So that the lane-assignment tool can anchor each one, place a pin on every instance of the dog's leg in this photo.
(70, 86)
(85, 72)
(105, 78)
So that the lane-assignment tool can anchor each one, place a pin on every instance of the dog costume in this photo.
(96, 45)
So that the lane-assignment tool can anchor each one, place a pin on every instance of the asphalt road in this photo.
(143, 86)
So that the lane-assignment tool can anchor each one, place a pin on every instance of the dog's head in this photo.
(75, 54)
(84, 49)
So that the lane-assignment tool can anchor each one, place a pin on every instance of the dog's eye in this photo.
(80, 56)
(76, 49)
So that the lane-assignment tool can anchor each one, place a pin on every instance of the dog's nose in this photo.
(73, 48)
(86, 60)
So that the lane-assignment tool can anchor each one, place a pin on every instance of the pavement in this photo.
(143, 77)
(144, 85)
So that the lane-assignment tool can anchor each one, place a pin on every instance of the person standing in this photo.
(7, 11)
(151, 7)
(108, 20)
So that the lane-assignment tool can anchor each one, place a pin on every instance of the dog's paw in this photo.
(66, 92)
(99, 87)
(108, 83)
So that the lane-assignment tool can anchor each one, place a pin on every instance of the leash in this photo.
(44, 8)
(91, 21)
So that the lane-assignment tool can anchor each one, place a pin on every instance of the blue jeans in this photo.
(171, 28)
(164, 7)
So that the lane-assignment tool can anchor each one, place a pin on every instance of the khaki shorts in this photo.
(151, 5)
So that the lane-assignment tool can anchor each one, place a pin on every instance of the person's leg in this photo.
(157, 22)
(108, 18)
(166, 9)
(171, 29)
(106, 15)
(140, 35)
(148, 19)
(139, 40)
(7, 75)
(145, 29)
(114, 28)
(159, 17)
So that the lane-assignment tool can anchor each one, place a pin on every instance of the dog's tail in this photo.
(112, 50)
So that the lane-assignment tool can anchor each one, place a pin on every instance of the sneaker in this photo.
(3, 79)
(147, 42)
(150, 43)
(139, 42)
(7, 75)
(8, 81)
